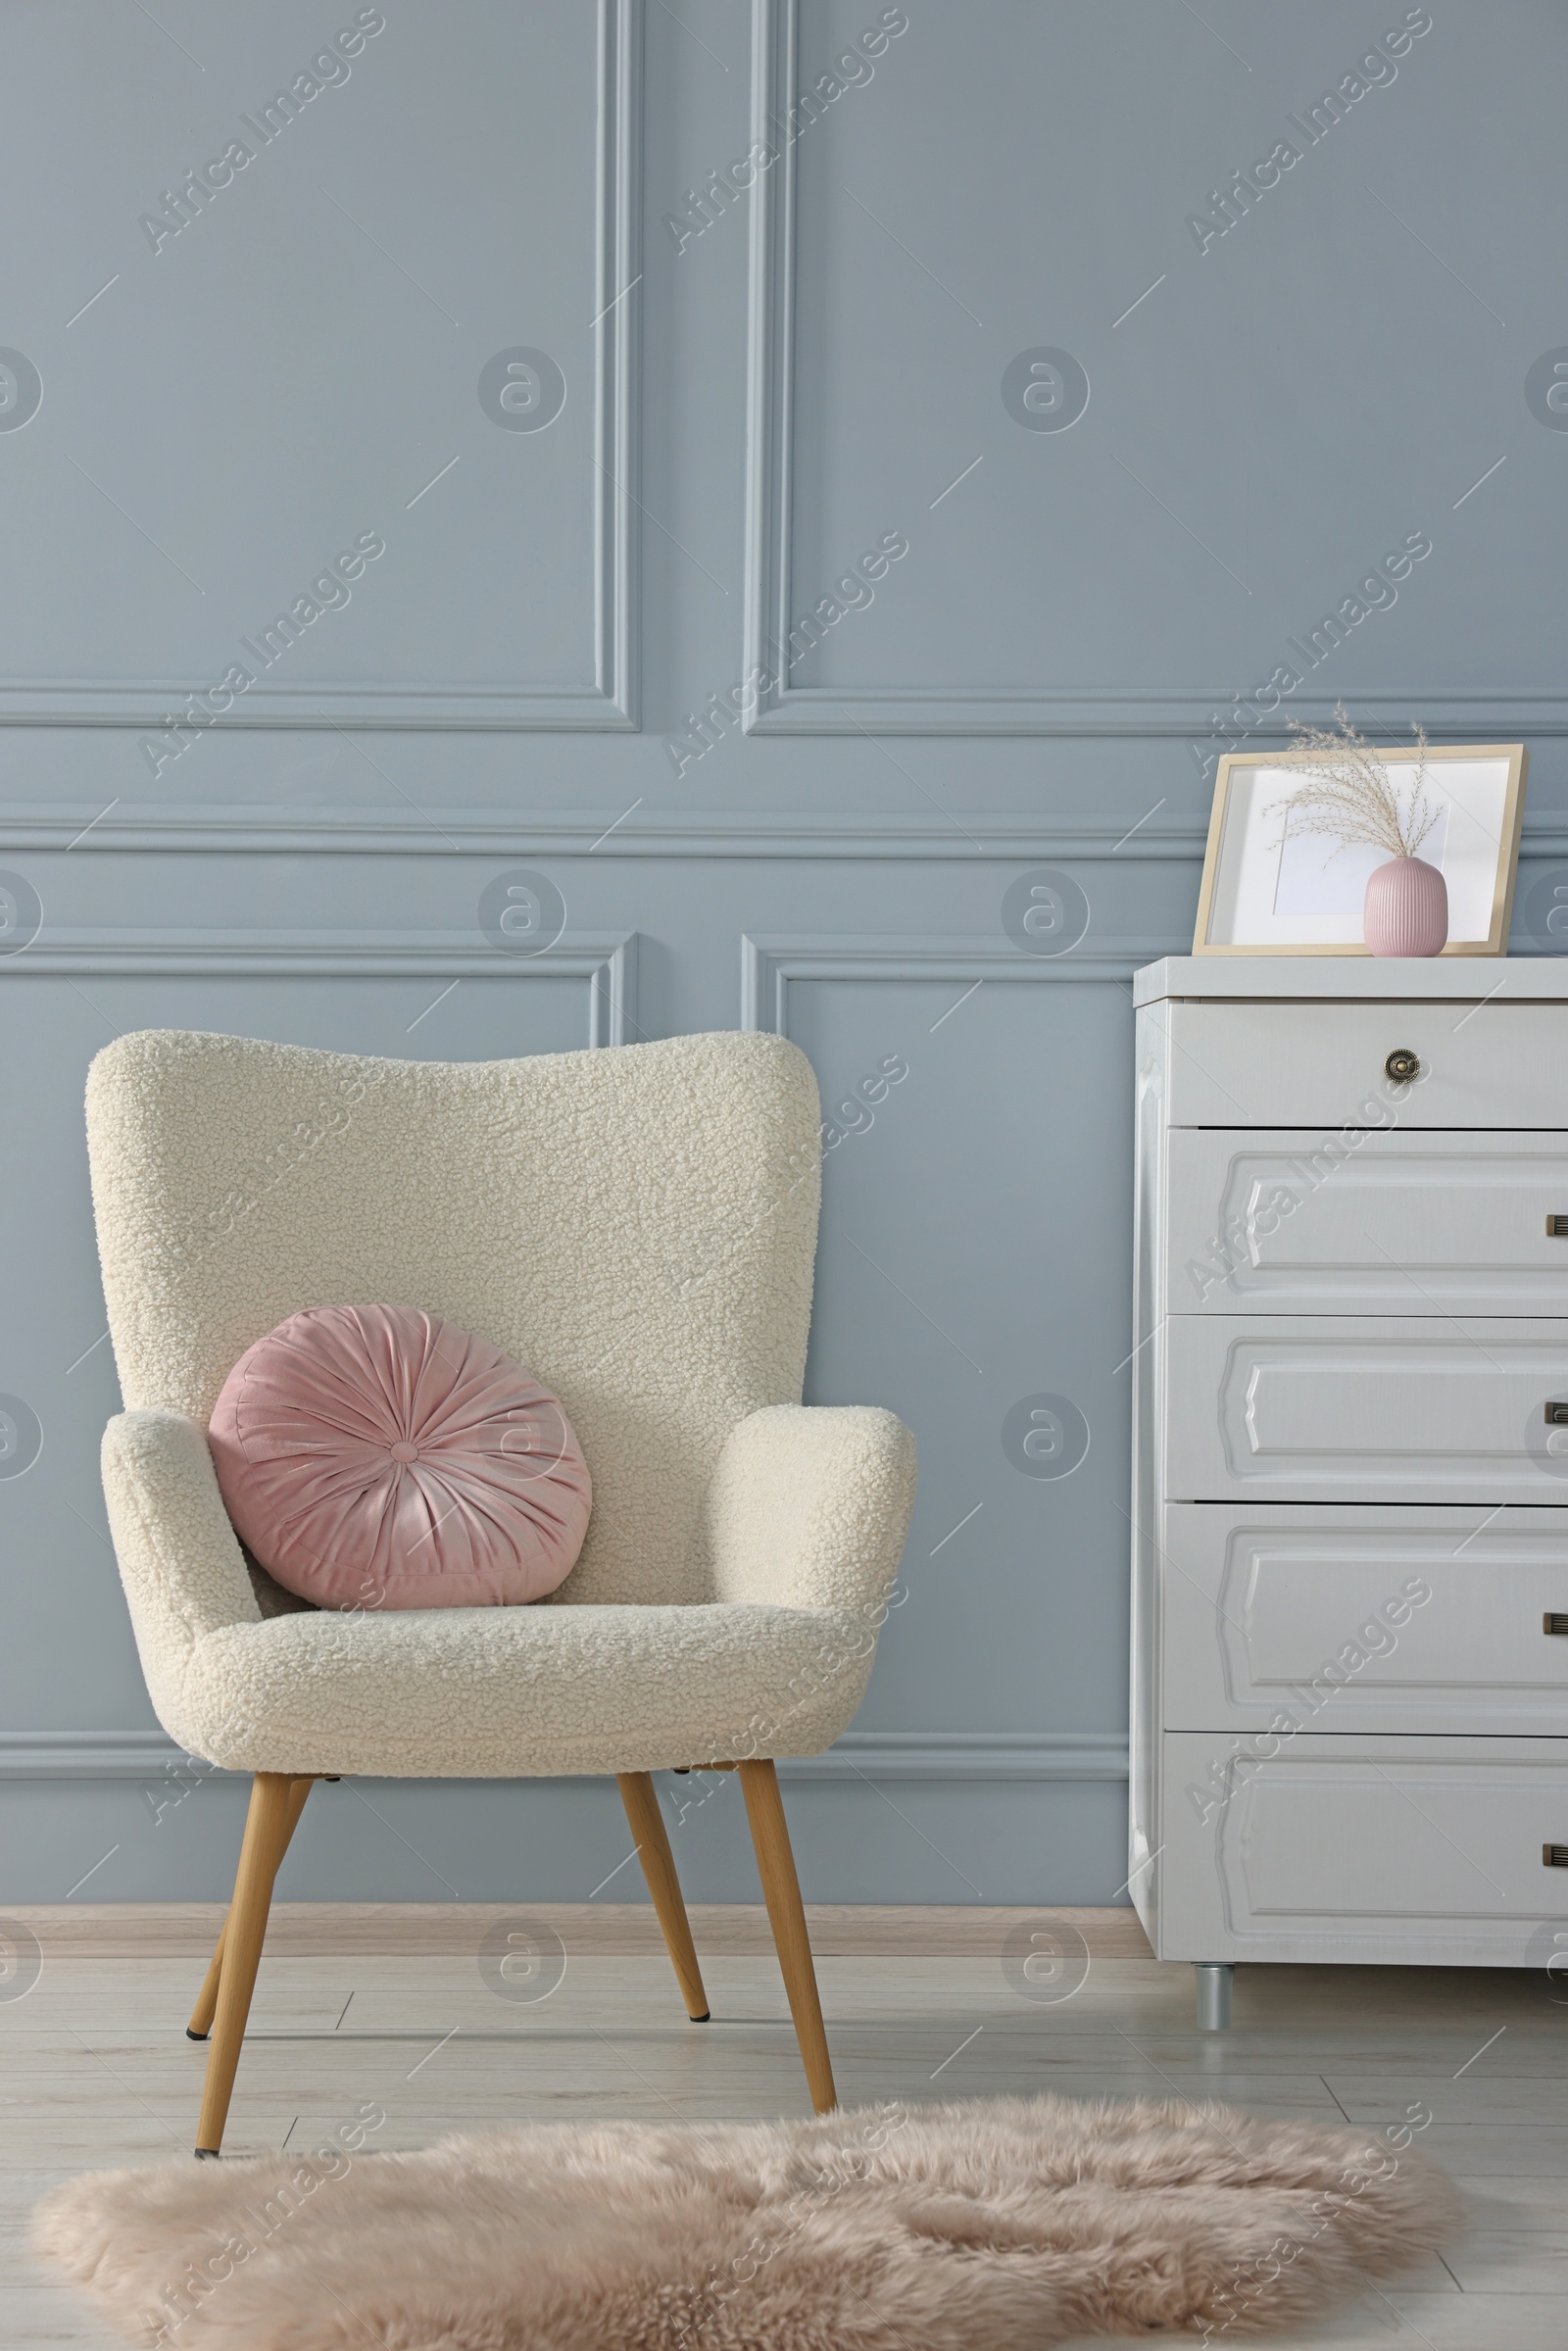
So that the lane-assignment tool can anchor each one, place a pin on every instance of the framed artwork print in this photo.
(1271, 892)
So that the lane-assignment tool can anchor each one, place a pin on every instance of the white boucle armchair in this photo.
(637, 1226)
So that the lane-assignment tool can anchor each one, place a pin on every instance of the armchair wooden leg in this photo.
(775, 1866)
(201, 2023)
(641, 1799)
(271, 1795)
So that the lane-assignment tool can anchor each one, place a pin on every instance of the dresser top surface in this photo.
(1356, 979)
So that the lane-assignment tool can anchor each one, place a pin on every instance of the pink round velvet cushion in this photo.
(378, 1458)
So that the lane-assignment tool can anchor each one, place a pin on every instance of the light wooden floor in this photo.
(387, 2007)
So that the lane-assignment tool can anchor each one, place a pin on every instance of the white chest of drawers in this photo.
(1349, 1703)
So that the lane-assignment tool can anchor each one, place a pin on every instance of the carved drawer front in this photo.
(1421, 1850)
(1331, 1408)
(1325, 1221)
(1326, 1065)
(1322, 1619)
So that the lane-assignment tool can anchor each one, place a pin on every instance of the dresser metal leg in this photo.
(1213, 1978)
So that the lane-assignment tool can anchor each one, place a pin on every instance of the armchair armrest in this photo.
(179, 1559)
(809, 1507)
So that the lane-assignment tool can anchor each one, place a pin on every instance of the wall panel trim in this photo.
(1106, 710)
(152, 1758)
(767, 966)
(611, 703)
(769, 963)
(606, 961)
(201, 828)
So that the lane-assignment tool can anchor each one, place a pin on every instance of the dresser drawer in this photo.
(1324, 1065)
(1318, 1221)
(1380, 1620)
(1326, 1409)
(1422, 1850)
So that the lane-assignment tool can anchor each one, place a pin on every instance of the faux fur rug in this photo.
(990, 2225)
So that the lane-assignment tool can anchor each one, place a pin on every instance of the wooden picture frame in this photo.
(1481, 790)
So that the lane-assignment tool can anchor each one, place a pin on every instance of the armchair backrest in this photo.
(636, 1225)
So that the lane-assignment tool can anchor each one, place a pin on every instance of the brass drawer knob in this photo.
(1403, 1065)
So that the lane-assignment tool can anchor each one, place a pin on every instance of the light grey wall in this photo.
(1279, 398)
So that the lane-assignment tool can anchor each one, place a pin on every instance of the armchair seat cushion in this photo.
(502, 1692)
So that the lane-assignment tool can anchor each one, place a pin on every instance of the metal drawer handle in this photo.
(1554, 1857)
(1557, 1228)
(1403, 1065)
(1554, 1621)
(1557, 1416)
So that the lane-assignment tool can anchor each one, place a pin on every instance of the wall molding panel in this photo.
(201, 828)
(611, 703)
(967, 1755)
(769, 964)
(606, 963)
(283, 829)
(152, 1758)
(1130, 711)
(617, 363)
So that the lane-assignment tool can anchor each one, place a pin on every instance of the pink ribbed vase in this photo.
(1406, 910)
